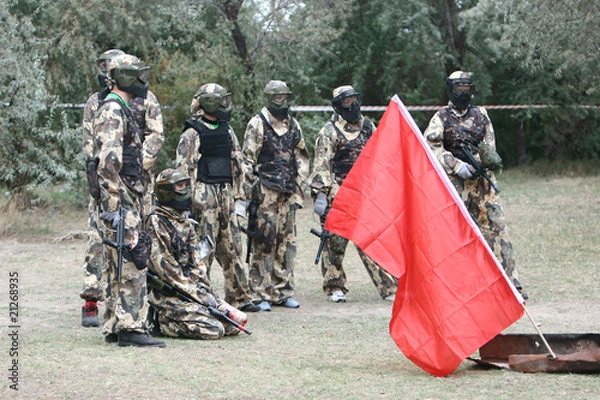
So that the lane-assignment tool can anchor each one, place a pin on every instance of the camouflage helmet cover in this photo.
(212, 99)
(277, 104)
(166, 192)
(102, 63)
(459, 78)
(129, 73)
(463, 79)
(349, 110)
(277, 87)
(344, 91)
(104, 59)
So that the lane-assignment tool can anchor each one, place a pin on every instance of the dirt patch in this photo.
(318, 351)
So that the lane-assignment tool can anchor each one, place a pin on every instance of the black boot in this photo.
(249, 307)
(138, 339)
(111, 338)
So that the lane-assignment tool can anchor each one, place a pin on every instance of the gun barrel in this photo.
(252, 228)
(323, 235)
(168, 290)
(478, 167)
(223, 316)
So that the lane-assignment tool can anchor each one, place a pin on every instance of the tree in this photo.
(33, 151)
(543, 53)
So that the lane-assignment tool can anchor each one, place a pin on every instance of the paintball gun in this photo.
(468, 157)
(252, 228)
(168, 290)
(120, 243)
(323, 235)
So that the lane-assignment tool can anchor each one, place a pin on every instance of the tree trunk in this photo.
(232, 9)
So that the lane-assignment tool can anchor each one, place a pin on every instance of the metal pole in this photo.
(539, 333)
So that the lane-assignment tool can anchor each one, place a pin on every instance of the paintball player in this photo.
(148, 115)
(461, 127)
(93, 290)
(338, 145)
(210, 152)
(277, 170)
(176, 261)
(121, 181)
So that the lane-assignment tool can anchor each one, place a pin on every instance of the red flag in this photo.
(398, 205)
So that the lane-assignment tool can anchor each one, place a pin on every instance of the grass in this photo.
(30, 222)
(319, 351)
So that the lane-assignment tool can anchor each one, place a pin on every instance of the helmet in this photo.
(346, 102)
(460, 88)
(279, 98)
(214, 100)
(167, 193)
(102, 64)
(129, 74)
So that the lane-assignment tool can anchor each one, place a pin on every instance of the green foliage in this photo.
(540, 53)
(531, 52)
(38, 146)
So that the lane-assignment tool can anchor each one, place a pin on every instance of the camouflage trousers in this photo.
(485, 208)
(334, 276)
(126, 301)
(273, 247)
(148, 199)
(94, 263)
(93, 286)
(219, 222)
(179, 319)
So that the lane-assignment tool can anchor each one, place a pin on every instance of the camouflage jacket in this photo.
(112, 130)
(89, 113)
(188, 155)
(330, 145)
(174, 257)
(438, 133)
(253, 144)
(148, 115)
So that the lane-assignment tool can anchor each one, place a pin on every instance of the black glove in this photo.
(140, 254)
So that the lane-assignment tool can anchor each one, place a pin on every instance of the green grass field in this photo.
(319, 351)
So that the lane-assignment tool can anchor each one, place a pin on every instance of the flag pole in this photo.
(539, 332)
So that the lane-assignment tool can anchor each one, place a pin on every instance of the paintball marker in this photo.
(252, 228)
(120, 244)
(468, 157)
(323, 235)
(168, 290)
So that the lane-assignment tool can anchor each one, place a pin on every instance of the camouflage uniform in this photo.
(176, 261)
(116, 132)
(213, 207)
(447, 129)
(148, 115)
(337, 147)
(93, 289)
(279, 196)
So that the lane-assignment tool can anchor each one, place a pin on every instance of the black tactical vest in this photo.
(276, 161)
(468, 129)
(347, 151)
(214, 165)
(131, 172)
